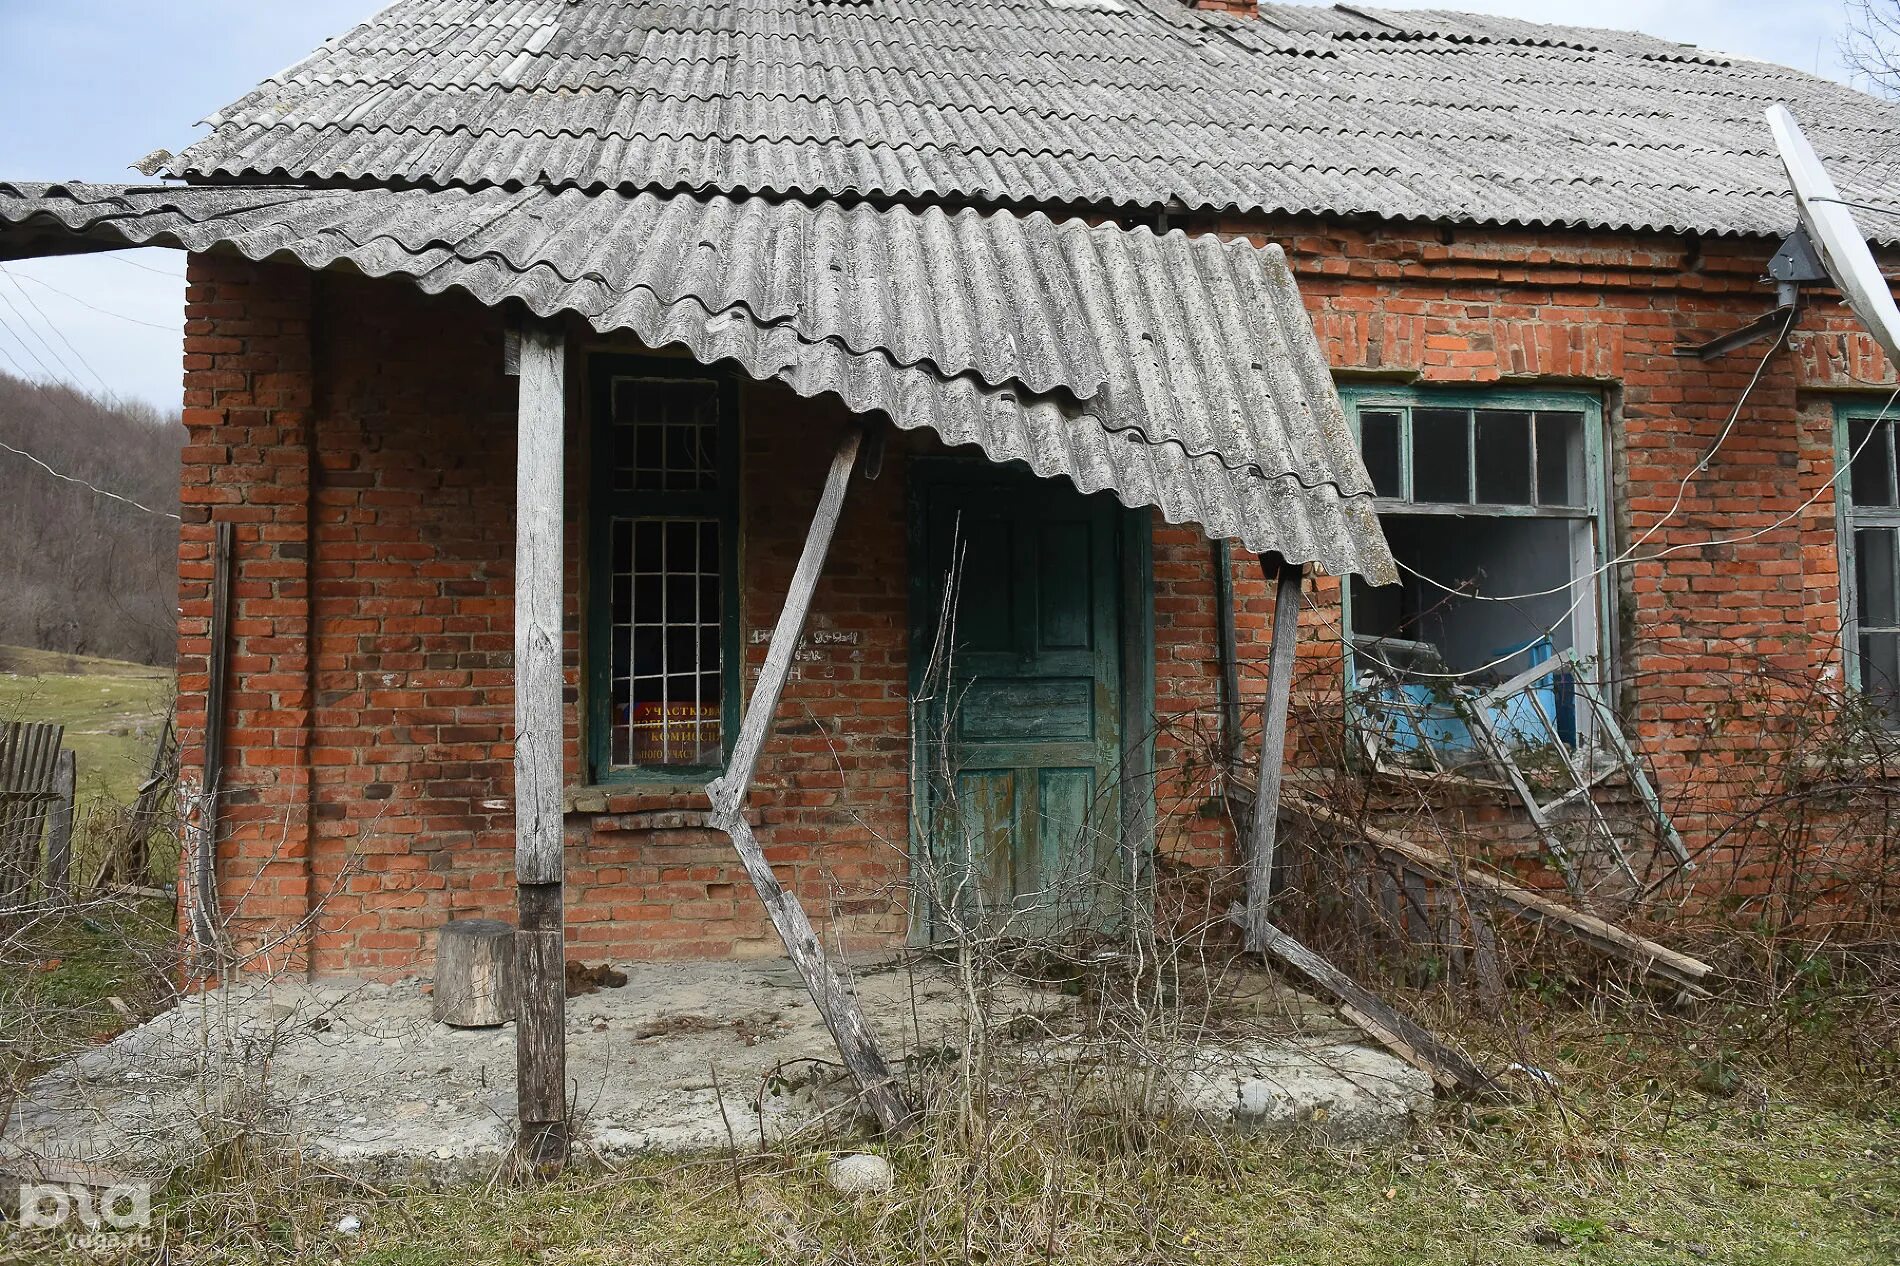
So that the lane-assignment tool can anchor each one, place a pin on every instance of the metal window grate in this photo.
(666, 643)
(664, 546)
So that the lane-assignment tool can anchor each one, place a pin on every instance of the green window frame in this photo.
(660, 510)
(1459, 470)
(1867, 533)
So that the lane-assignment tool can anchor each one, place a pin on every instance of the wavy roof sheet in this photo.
(1178, 372)
(1128, 103)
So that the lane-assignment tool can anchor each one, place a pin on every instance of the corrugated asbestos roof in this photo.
(1179, 372)
(1146, 103)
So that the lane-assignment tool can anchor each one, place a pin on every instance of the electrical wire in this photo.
(147, 268)
(66, 369)
(74, 479)
(26, 347)
(169, 329)
(51, 325)
(1859, 206)
(1628, 556)
(1682, 488)
(18, 368)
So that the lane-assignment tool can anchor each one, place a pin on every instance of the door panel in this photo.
(1020, 733)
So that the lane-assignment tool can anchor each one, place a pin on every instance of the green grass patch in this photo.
(113, 712)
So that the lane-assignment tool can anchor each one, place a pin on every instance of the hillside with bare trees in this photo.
(81, 572)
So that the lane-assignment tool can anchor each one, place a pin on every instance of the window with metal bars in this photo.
(663, 599)
(1868, 497)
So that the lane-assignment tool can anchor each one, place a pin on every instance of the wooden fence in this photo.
(36, 792)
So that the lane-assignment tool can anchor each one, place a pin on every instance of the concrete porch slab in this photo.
(686, 1057)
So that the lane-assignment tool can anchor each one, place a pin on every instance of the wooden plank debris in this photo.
(1449, 1068)
(474, 974)
(133, 863)
(201, 885)
(835, 1000)
(1285, 578)
(59, 832)
(1495, 891)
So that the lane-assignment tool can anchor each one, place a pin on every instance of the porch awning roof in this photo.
(1177, 372)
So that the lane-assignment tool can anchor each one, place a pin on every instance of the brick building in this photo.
(1036, 232)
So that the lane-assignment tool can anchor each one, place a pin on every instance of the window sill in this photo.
(646, 806)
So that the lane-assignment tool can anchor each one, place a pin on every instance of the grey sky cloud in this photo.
(88, 88)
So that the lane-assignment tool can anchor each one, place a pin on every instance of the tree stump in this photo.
(475, 973)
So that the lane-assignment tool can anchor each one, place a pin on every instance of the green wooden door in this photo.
(1019, 708)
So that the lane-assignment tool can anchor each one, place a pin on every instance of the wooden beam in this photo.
(1495, 891)
(1285, 578)
(1410, 1042)
(540, 1027)
(728, 793)
(1227, 644)
(1404, 1038)
(202, 885)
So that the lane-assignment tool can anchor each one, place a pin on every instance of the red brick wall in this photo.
(361, 435)
(248, 410)
(1700, 626)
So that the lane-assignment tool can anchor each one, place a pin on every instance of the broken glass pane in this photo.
(1441, 455)
(1880, 671)
(1504, 458)
(1560, 459)
(1870, 446)
(1379, 445)
(1874, 577)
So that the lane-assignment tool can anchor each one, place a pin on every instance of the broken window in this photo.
(1492, 507)
(1482, 663)
(662, 601)
(1870, 558)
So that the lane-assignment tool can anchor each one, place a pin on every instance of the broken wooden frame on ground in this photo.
(1492, 719)
(1496, 892)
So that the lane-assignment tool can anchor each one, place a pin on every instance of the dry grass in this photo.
(1635, 1156)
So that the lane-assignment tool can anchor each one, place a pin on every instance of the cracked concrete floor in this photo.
(686, 1057)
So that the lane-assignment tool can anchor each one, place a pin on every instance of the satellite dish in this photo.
(1835, 236)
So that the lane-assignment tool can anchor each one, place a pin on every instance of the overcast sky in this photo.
(90, 86)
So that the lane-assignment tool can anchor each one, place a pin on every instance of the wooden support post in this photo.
(1285, 578)
(728, 793)
(540, 1026)
(59, 835)
(1227, 643)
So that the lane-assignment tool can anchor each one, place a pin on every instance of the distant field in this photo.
(113, 713)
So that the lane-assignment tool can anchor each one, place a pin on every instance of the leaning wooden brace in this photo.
(839, 1006)
(1273, 717)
